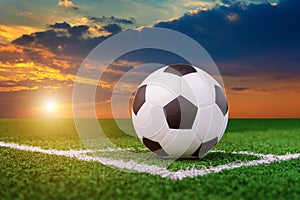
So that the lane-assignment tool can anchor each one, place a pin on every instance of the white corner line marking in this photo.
(153, 169)
(267, 159)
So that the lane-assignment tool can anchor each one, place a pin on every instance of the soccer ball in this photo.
(180, 111)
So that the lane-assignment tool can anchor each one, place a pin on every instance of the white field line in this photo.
(152, 169)
(246, 153)
(268, 159)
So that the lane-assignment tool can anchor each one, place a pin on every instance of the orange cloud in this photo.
(197, 10)
(9, 33)
(30, 76)
(27, 67)
(67, 4)
(17, 88)
(232, 17)
(11, 49)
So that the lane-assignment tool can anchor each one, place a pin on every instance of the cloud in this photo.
(242, 41)
(78, 40)
(9, 33)
(112, 28)
(51, 58)
(62, 25)
(258, 90)
(11, 54)
(239, 88)
(9, 48)
(245, 3)
(62, 38)
(33, 68)
(21, 76)
(199, 4)
(262, 37)
(112, 19)
(67, 4)
(27, 14)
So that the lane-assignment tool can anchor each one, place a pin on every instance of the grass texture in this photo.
(28, 175)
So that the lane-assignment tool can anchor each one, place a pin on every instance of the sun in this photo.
(50, 106)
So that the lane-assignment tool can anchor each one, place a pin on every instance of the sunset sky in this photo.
(255, 44)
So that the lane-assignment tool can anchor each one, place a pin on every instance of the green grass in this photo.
(28, 175)
(47, 133)
(274, 136)
(211, 160)
(277, 136)
(58, 133)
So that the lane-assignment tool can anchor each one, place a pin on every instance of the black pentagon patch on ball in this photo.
(180, 69)
(139, 99)
(205, 147)
(221, 100)
(180, 113)
(154, 147)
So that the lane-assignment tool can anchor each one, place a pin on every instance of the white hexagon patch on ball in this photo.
(180, 111)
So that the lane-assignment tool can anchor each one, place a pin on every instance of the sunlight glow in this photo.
(50, 106)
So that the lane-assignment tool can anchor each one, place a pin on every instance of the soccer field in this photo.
(45, 159)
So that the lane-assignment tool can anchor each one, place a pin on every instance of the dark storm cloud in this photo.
(113, 28)
(24, 40)
(262, 36)
(112, 19)
(240, 88)
(248, 89)
(62, 38)
(63, 25)
(78, 31)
